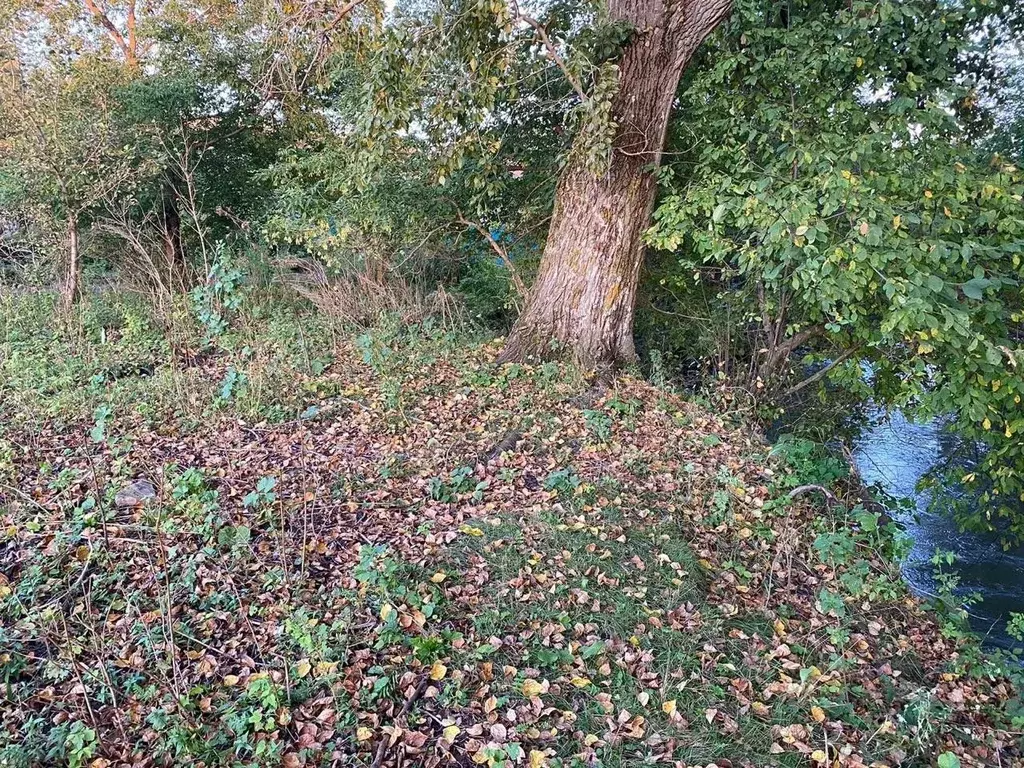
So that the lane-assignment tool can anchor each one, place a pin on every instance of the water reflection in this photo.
(896, 453)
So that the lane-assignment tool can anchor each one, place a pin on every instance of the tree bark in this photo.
(72, 288)
(583, 300)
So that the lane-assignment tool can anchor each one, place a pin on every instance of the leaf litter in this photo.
(479, 570)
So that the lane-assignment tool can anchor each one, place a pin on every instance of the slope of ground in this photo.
(391, 551)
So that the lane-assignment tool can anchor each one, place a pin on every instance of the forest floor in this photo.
(385, 549)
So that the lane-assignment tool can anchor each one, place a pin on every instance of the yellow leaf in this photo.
(780, 627)
(818, 714)
(438, 577)
(928, 194)
(537, 759)
(860, 62)
(471, 531)
(986, 424)
(669, 707)
(230, 680)
(303, 667)
(450, 733)
(438, 671)
(581, 682)
(363, 733)
(896, 221)
(386, 611)
(818, 756)
(532, 688)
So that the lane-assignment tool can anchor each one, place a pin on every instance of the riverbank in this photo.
(384, 548)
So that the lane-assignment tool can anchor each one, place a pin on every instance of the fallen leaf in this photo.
(532, 688)
(438, 671)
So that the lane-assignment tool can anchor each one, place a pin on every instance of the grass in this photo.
(345, 523)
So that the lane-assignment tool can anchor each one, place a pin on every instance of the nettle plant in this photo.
(220, 297)
(833, 212)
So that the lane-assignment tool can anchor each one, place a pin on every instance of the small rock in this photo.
(135, 494)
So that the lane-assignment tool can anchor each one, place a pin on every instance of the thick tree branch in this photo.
(127, 46)
(691, 21)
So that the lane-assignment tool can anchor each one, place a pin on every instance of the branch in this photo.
(325, 36)
(821, 372)
(113, 31)
(378, 758)
(691, 21)
(800, 490)
(133, 45)
(802, 337)
(551, 50)
(517, 281)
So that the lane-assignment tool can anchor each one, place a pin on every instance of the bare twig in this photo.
(551, 50)
(382, 748)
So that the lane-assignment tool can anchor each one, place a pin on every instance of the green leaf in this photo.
(975, 288)
(949, 760)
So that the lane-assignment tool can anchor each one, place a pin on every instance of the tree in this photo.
(62, 148)
(454, 74)
(585, 293)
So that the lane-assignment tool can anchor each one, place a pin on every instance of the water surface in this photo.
(896, 453)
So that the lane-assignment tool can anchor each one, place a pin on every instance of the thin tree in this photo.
(61, 145)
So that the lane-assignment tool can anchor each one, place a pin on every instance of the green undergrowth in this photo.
(380, 542)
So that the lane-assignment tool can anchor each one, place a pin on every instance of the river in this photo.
(896, 453)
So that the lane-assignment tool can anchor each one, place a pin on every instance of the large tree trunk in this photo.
(583, 299)
(72, 288)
